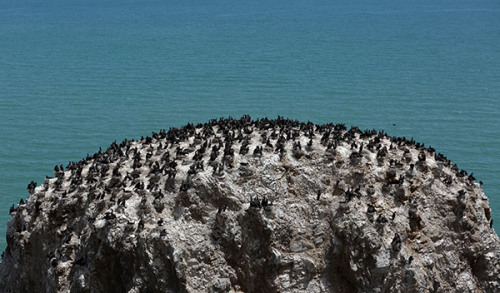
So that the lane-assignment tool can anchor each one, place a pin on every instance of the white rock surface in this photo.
(386, 219)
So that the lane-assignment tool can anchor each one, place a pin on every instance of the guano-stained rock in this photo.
(255, 206)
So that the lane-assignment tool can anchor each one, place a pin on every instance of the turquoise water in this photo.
(76, 75)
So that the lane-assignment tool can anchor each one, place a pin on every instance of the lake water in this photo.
(77, 75)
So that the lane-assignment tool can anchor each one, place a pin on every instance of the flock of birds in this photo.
(168, 161)
(154, 163)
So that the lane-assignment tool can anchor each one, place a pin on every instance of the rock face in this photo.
(255, 206)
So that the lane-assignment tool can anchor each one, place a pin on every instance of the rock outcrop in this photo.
(255, 206)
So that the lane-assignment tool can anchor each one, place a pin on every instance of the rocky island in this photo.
(242, 205)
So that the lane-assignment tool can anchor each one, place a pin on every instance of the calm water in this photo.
(76, 75)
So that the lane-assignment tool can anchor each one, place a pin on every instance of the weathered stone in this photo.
(255, 206)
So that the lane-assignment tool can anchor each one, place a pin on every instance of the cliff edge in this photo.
(255, 206)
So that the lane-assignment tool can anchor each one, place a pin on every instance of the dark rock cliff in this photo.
(255, 206)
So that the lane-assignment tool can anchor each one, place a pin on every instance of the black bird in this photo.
(310, 143)
(381, 219)
(264, 202)
(109, 215)
(255, 203)
(184, 186)
(396, 243)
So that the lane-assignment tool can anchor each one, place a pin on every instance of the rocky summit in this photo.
(242, 205)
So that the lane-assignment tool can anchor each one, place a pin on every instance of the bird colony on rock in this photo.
(242, 205)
